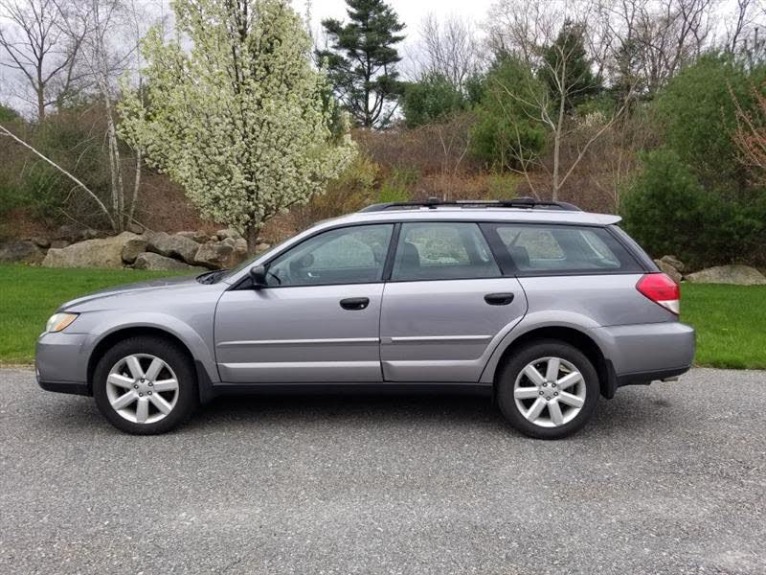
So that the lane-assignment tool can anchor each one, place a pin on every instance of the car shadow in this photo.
(376, 409)
(629, 412)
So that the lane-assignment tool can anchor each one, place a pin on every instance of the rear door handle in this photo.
(498, 298)
(355, 303)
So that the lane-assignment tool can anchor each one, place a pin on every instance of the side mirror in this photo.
(258, 275)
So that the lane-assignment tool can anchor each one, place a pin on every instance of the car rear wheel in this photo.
(145, 386)
(548, 390)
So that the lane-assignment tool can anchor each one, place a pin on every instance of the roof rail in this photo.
(433, 203)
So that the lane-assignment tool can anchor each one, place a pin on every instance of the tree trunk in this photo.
(557, 147)
(252, 233)
(40, 104)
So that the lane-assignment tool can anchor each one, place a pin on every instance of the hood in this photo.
(158, 285)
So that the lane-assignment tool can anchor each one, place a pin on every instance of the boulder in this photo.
(228, 233)
(213, 254)
(21, 251)
(173, 246)
(673, 272)
(152, 261)
(239, 254)
(674, 262)
(262, 247)
(73, 233)
(133, 248)
(40, 242)
(69, 233)
(738, 275)
(100, 253)
(199, 237)
(91, 234)
(225, 254)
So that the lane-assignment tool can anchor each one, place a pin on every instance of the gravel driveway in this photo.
(667, 479)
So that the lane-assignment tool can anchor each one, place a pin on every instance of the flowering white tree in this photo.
(233, 111)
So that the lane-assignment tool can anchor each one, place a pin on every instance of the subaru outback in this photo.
(538, 305)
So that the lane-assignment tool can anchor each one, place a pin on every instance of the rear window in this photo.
(540, 249)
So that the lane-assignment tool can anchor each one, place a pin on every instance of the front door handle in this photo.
(355, 303)
(498, 298)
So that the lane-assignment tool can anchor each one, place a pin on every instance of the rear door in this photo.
(446, 305)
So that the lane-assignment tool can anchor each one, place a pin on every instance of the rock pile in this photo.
(737, 275)
(732, 274)
(193, 251)
(672, 266)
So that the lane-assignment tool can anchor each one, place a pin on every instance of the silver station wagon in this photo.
(538, 305)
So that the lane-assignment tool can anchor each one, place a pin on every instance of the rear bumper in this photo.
(647, 377)
(640, 354)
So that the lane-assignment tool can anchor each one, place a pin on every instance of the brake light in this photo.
(662, 290)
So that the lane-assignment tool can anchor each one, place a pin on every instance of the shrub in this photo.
(504, 131)
(350, 192)
(668, 211)
(399, 185)
(698, 115)
(432, 99)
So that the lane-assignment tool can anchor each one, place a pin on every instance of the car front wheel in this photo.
(145, 386)
(548, 390)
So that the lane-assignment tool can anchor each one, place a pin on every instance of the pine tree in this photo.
(567, 69)
(361, 60)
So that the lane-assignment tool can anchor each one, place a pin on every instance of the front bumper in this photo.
(61, 363)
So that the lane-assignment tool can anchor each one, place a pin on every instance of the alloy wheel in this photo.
(142, 388)
(549, 392)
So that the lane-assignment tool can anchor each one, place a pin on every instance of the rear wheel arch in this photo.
(573, 337)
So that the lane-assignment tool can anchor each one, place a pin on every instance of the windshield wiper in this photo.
(212, 277)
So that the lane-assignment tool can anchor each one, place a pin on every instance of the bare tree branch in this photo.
(449, 48)
(34, 39)
(6, 132)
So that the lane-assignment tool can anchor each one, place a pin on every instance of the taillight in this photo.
(661, 290)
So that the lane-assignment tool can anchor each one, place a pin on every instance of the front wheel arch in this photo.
(129, 333)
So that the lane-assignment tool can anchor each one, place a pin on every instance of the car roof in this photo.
(479, 214)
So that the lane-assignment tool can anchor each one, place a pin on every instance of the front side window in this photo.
(344, 256)
(538, 249)
(442, 251)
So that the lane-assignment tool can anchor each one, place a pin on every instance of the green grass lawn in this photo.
(730, 320)
(29, 295)
(730, 323)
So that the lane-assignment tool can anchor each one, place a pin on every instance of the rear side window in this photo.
(442, 251)
(541, 249)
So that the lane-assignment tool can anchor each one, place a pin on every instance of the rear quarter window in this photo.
(564, 249)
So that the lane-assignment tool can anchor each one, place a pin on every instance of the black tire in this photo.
(186, 398)
(573, 421)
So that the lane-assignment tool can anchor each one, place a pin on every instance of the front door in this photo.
(447, 305)
(318, 319)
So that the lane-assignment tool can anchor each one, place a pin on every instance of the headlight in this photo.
(59, 322)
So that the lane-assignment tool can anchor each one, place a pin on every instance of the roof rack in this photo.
(433, 203)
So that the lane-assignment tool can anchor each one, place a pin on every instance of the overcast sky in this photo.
(410, 12)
